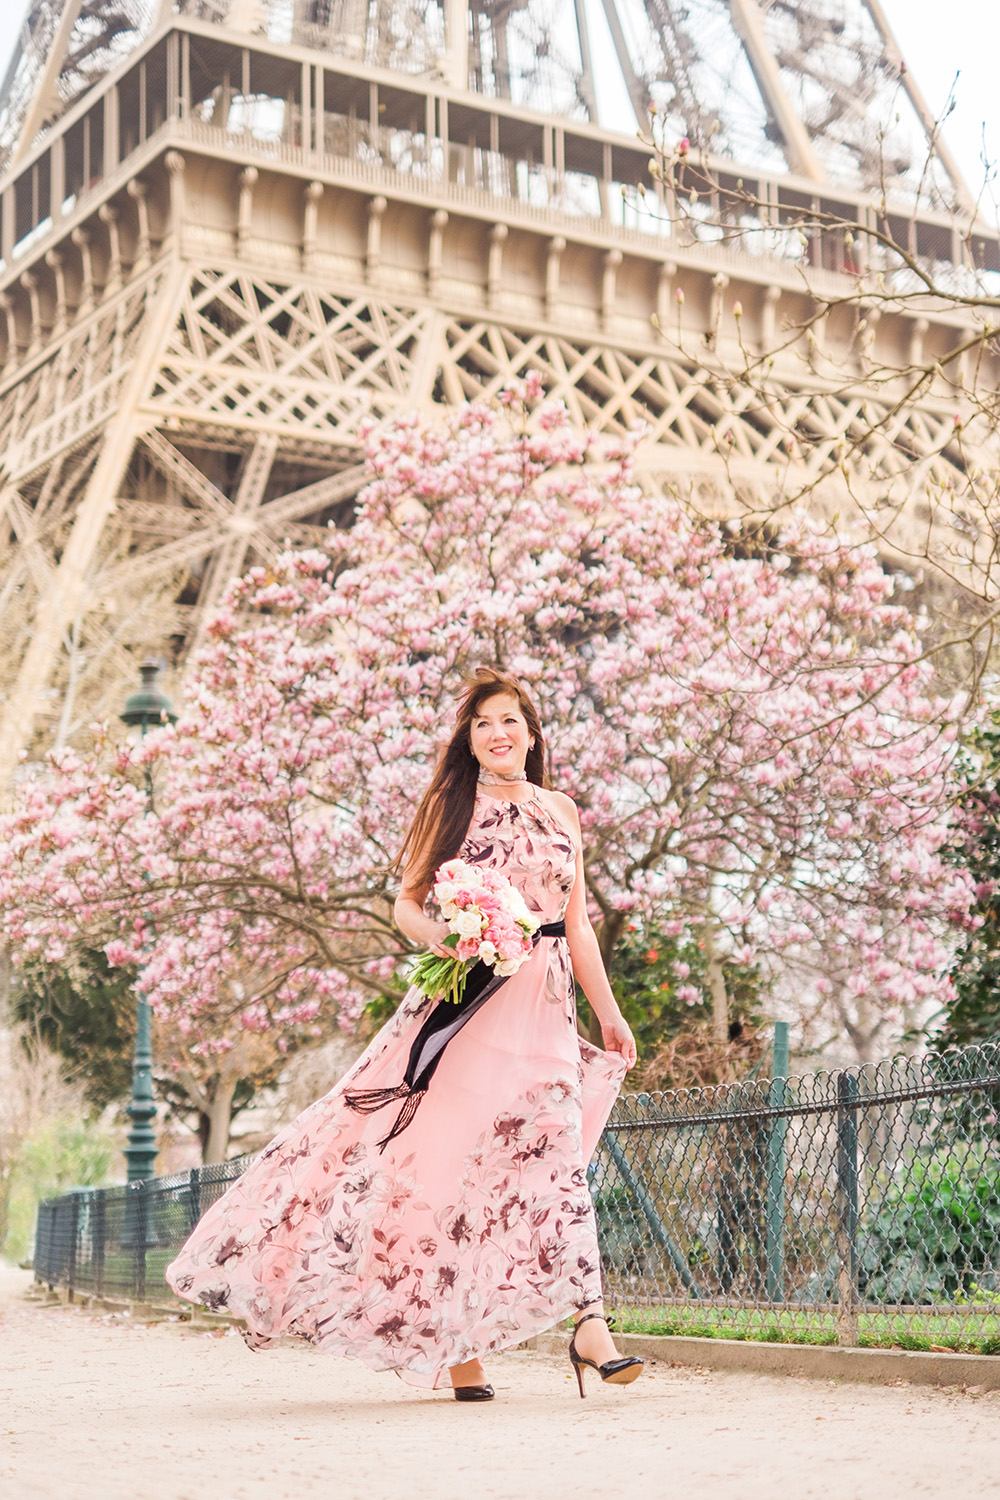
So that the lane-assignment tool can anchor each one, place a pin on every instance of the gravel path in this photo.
(94, 1407)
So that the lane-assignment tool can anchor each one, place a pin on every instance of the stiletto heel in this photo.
(613, 1371)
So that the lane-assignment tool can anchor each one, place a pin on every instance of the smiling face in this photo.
(499, 735)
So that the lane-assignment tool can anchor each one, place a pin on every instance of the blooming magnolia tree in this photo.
(751, 736)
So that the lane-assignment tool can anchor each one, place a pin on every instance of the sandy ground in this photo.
(94, 1407)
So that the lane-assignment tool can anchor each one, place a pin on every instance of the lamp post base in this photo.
(138, 1232)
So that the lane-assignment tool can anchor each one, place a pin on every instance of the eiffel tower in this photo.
(232, 230)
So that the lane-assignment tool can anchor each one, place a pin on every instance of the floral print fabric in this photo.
(472, 1230)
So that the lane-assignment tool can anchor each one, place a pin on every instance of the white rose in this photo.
(469, 924)
(509, 967)
(487, 952)
(448, 910)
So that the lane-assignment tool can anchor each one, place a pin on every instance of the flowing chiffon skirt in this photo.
(471, 1231)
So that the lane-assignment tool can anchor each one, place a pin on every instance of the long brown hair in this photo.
(445, 810)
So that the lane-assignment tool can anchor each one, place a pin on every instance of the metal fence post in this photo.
(99, 1233)
(777, 1129)
(847, 1210)
(42, 1252)
(194, 1195)
(74, 1236)
(141, 1210)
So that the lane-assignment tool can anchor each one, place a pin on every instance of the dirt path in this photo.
(95, 1408)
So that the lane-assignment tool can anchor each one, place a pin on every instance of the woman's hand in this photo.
(618, 1038)
(434, 937)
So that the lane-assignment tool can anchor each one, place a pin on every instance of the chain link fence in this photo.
(859, 1207)
(116, 1242)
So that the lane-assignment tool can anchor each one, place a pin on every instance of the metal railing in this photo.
(116, 1242)
(856, 1207)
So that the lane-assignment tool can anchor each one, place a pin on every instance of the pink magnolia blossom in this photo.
(751, 736)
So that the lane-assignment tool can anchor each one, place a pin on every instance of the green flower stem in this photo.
(441, 976)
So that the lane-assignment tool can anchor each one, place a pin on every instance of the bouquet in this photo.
(489, 923)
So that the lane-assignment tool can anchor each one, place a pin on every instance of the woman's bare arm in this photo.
(411, 919)
(585, 952)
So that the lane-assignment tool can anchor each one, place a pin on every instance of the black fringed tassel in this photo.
(370, 1101)
(404, 1117)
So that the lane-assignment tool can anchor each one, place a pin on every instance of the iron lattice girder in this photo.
(190, 346)
(607, 387)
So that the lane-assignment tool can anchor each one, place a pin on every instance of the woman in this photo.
(433, 1206)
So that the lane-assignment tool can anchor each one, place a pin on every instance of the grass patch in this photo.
(792, 1326)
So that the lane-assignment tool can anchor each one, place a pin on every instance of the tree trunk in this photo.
(863, 1032)
(608, 934)
(717, 987)
(217, 1119)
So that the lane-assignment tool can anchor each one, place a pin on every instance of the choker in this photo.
(495, 778)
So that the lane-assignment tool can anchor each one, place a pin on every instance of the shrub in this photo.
(936, 1234)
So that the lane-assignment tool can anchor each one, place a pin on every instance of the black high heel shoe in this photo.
(613, 1371)
(473, 1392)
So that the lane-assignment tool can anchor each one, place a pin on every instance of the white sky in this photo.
(963, 39)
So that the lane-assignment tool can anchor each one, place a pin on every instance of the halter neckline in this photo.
(508, 801)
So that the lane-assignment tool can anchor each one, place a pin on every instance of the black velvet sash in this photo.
(444, 1022)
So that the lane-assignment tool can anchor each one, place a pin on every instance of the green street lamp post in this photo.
(143, 710)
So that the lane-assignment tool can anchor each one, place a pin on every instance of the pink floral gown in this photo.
(474, 1228)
